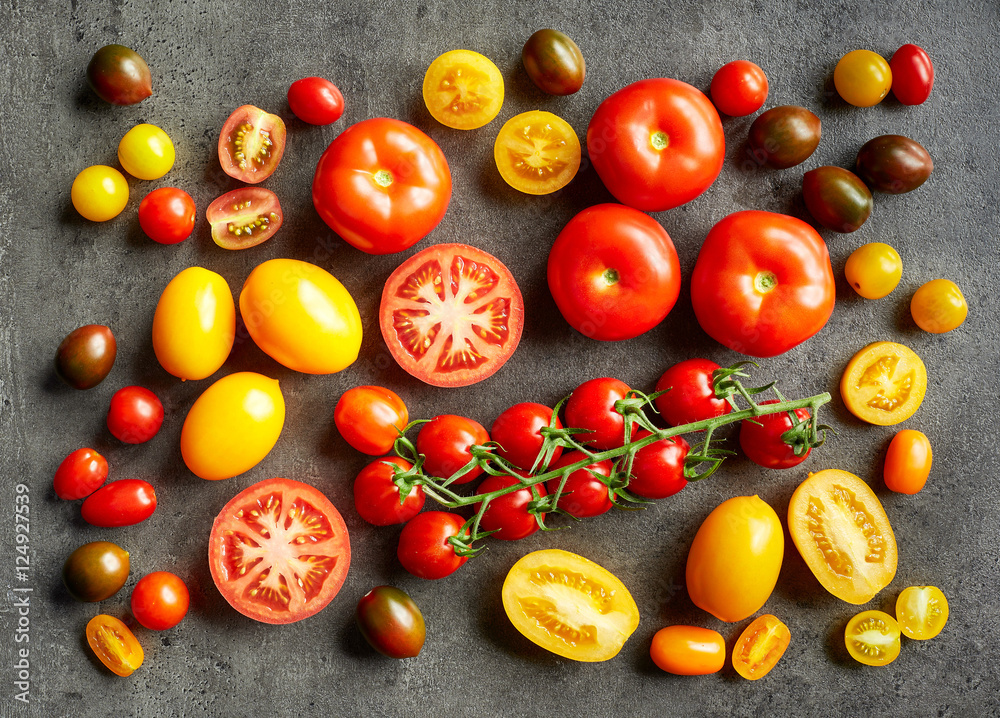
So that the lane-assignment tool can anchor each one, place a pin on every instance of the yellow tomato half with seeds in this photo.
(537, 152)
(921, 612)
(884, 383)
(463, 89)
(872, 638)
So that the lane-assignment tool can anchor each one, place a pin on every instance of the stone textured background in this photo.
(58, 271)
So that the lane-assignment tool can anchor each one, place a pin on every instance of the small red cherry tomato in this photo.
(739, 88)
(690, 394)
(368, 418)
(167, 215)
(912, 74)
(658, 469)
(135, 415)
(517, 431)
(508, 514)
(80, 474)
(316, 101)
(120, 503)
(424, 548)
(592, 406)
(445, 442)
(376, 495)
(760, 439)
(584, 494)
(160, 600)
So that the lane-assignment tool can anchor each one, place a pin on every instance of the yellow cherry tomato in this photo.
(921, 612)
(884, 383)
(194, 324)
(872, 638)
(146, 152)
(938, 306)
(99, 193)
(537, 152)
(301, 316)
(232, 426)
(463, 89)
(735, 558)
(862, 78)
(874, 269)
(908, 462)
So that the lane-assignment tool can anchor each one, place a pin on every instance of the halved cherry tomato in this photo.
(279, 551)
(424, 549)
(120, 503)
(912, 74)
(761, 439)
(690, 394)
(445, 441)
(134, 415)
(537, 152)
(569, 605)
(244, 217)
(463, 89)
(80, 474)
(908, 462)
(872, 638)
(873, 270)
(508, 515)
(591, 406)
(86, 355)
(921, 612)
(841, 530)
(160, 600)
(451, 315)
(517, 432)
(760, 647)
(370, 418)
(114, 644)
(251, 144)
(939, 306)
(739, 88)
(862, 78)
(584, 494)
(391, 622)
(378, 499)
(688, 650)
(316, 100)
(884, 383)
(167, 215)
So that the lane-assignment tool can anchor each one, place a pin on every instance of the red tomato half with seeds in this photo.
(251, 144)
(451, 315)
(279, 551)
(244, 217)
(120, 503)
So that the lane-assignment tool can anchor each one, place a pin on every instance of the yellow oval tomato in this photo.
(537, 152)
(569, 605)
(862, 78)
(463, 89)
(735, 558)
(688, 650)
(114, 644)
(908, 462)
(939, 306)
(873, 270)
(760, 647)
(232, 426)
(301, 316)
(884, 383)
(146, 152)
(843, 534)
(194, 324)
(872, 638)
(99, 193)
(921, 612)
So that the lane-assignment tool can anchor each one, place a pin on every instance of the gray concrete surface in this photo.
(58, 271)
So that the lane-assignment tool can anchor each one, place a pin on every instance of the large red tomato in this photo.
(382, 185)
(613, 272)
(656, 144)
(762, 283)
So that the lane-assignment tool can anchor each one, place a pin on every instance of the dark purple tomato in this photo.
(554, 62)
(391, 622)
(119, 76)
(86, 355)
(784, 136)
(912, 74)
(95, 571)
(894, 164)
(837, 198)
(120, 503)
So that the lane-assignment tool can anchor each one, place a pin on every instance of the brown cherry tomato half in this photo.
(908, 462)
(554, 62)
(688, 650)
(95, 571)
(120, 503)
(114, 644)
(837, 198)
(370, 418)
(894, 164)
(119, 76)
(760, 647)
(784, 136)
(251, 144)
(391, 622)
(86, 355)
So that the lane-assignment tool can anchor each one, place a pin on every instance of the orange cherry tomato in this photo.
(908, 462)
(114, 644)
(370, 418)
(760, 647)
(688, 650)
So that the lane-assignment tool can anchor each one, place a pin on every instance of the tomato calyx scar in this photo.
(765, 281)
(383, 178)
(660, 140)
(611, 276)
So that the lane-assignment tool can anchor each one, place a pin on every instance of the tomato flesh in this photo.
(463, 89)
(115, 645)
(884, 383)
(872, 638)
(251, 144)
(921, 612)
(537, 152)
(244, 217)
(760, 647)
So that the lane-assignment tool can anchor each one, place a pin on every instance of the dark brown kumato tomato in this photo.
(119, 76)
(894, 164)
(554, 62)
(837, 198)
(391, 622)
(95, 571)
(784, 136)
(86, 355)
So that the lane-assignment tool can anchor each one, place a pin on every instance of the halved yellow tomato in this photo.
(884, 383)
(569, 605)
(760, 647)
(114, 644)
(537, 152)
(921, 612)
(872, 638)
(463, 89)
(843, 534)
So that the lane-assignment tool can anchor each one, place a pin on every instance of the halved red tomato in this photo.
(244, 217)
(251, 144)
(279, 551)
(451, 315)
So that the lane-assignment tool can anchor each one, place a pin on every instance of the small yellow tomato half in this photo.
(873, 270)
(99, 193)
(146, 152)
(921, 612)
(537, 152)
(872, 638)
(463, 89)
(735, 559)
(938, 306)
(301, 316)
(232, 426)
(194, 324)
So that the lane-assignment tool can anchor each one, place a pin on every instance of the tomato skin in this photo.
(554, 62)
(508, 514)
(99, 193)
(912, 74)
(244, 217)
(739, 88)
(80, 474)
(763, 283)
(517, 432)
(872, 638)
(114, 645)
(592, 406)
(862, 78)
(658, 469)
(95, 571)
(688, 650)
(837, 198)
(370, 418)
(146, 152)
(873, 270)
(160, 600)
(939, 306)
(922, 612)
(894, 164)
(760, 439)
(445, 442)
(121, 503)
(424, 549)
(382, 185)
(119, 76)
(613, 272)
(784, 136)
(884, 383)
(376, 496)
(86, 355)
(760, 647)
(584, 495)
(135, 415)
(656, 144)
(251, 144)
(907, 462)
(167, 215)
(537, 152)
(391, 622)
(690, 393)
(316, 101)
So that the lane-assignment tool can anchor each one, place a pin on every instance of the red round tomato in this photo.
(244, 217)
(424, 548)
(377, 497)
(658, 469)
(120, 503)
(160, 600)
(762, 283)
(656, 144)
(445, 442)
(592, 406)
(739, 88)
(760, 439)
(690, 393)
(508, 515)
(251, 144)
(613, 272)
(517, 432)
(80, 474)
(279, 551)
(316, 100)
(912, 74)
(370, 418)
(584, 494)
(382, 185)
(135, 415)
(451, 315)
(166, 215)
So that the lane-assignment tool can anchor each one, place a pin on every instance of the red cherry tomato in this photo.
(251, 144)
(368, 418)
(316, 101)
(376, 495)
(424, 549)
(167, 215)
(613, 272)
(583, 494)
(760, 439)
(658, 469)
(160, 600)
(517, 431)
(656, 144)
(739, 88)
(912, 74)
(135, 415)
(592, 406)
(80, 474)
(445, 442)
(690, 395)
(508, 514)
(120, 503)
